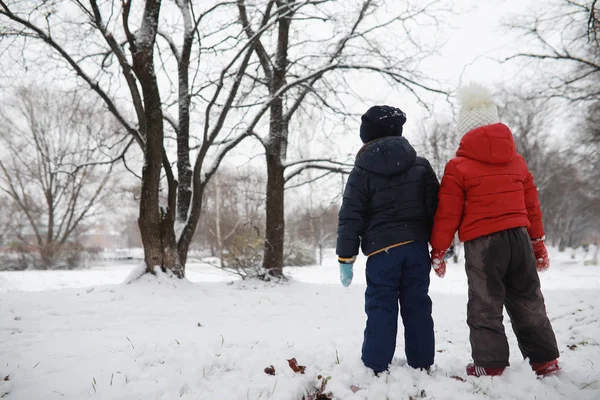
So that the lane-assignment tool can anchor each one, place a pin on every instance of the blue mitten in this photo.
(346, 273)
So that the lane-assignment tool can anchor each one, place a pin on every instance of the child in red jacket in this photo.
(487, 194)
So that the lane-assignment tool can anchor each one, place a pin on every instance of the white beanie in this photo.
(477, 108)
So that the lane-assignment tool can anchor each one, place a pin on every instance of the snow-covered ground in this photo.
(83, 334)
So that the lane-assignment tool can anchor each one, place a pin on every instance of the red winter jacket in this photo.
(486, 188)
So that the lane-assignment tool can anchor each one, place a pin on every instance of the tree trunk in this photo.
(157, 230)
(320, 254)
(218, 220)
(188, 233)
(275, 224)
(276, 150)
(156, 224)
(184, 171)
(48, 255)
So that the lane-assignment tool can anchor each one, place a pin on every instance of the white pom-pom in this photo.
(474, 96)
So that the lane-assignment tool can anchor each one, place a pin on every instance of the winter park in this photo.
(299, 199)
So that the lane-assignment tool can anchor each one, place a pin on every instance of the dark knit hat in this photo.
(381, 121)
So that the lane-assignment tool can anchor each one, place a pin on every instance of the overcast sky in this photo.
(479, 38)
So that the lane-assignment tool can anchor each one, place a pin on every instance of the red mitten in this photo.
(438, 263)
(541, 254)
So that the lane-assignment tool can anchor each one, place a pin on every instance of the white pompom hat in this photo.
(477, 108)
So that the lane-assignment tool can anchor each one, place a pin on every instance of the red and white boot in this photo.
(543, 369)
(474, 370)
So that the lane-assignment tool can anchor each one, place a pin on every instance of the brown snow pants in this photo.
(501, 271)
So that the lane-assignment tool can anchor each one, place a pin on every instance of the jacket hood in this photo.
(387, 156)
(491, 144)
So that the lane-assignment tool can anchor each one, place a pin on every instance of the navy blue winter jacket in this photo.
(390, 198)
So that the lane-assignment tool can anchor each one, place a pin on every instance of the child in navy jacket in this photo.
(388, 208)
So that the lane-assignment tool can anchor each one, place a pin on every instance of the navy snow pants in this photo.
(400, 274)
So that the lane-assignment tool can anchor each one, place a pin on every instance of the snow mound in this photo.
(139, 276)
(135, 273)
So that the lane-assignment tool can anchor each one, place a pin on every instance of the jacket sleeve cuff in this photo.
(346, 260)
(536, 232)
(438, 243)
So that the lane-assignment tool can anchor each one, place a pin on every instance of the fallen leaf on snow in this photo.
(270, 370)
(295, 367)
(355, 388)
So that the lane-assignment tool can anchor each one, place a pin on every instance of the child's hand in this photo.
(438, 262)
(541, 254)
(346, 273)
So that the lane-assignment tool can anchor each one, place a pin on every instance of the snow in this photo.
(83, 334)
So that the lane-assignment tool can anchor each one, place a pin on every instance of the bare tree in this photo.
(292, 51)
(101, 46)
(570, 56)
(55, 144)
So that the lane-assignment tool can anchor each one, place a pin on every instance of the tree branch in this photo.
(74, 223)
(249, 48)
(171, 44)
(563, 57)
(122, 58)
(336, 54)
(331, 169)
(309, 181)
(121, 156)
(263, 56)
(171, 120)
(317, 160)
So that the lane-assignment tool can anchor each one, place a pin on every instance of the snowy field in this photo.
(83, 334)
